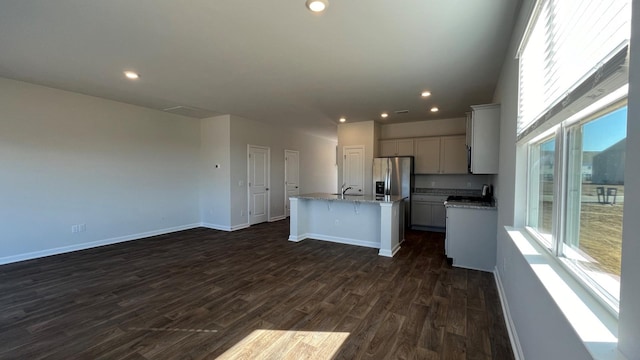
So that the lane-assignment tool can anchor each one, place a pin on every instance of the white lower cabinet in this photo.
(421, 213)
(439, 215)
(428, 211)
(471, 237)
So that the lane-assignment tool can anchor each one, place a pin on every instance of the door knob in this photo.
(296, 187)
(266, 189)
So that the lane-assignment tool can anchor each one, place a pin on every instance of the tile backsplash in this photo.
(463, 181)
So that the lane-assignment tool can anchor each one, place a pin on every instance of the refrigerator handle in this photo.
(387, 179)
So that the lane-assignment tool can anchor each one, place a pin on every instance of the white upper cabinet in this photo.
(440, 155)
(398, 147)
(453, 155)
(427, 155)
(483, 137)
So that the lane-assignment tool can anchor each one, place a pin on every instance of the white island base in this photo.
(354, 220)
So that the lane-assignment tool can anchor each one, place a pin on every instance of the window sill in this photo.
(592, 322)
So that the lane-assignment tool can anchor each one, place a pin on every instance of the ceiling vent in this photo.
(190, 112)
(398, 112)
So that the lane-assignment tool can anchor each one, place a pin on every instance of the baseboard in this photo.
(224, 227)
(335, 239)
(470, 267)
(429, 228)
(240, 227)
(277, 218)
(92, 244)
(297, 238)
(389, 253)
(216, 226)
(511, 327)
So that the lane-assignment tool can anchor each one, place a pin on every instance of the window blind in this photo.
(573, 52)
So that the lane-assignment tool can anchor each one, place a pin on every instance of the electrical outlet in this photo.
(337, 222)
(78, 228)
(241, 212)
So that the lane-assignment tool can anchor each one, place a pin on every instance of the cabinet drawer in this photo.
(429, 198)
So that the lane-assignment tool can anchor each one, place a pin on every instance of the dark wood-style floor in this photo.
(249, 294)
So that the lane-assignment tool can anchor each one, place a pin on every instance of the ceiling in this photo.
(271, 61)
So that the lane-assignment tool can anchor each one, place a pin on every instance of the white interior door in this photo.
(258, 183)
(291, 176)
(353, 168)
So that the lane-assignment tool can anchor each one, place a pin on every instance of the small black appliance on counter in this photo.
(487, 192)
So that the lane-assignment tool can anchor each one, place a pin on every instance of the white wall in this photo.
(128, 172)
(454, 126)
(215, 183)
(317, 164)
(543, 330)
(72, 159)
(358, 133)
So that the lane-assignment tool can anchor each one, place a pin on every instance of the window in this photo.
(541, 192)
(572, 120)
(585, 200)
(592, 242)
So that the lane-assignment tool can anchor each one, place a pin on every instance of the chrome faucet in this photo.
(345, 190)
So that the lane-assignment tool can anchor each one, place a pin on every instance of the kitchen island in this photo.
(363, 220)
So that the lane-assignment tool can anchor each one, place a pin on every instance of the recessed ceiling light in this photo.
(342, 119)
(425, 94)
(317, 5)
(131, 75)
(384, 115)
(434, 109)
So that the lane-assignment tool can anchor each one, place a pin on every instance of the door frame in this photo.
(268, 166)
(286, 197)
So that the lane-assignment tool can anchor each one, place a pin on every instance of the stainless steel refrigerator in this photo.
(394, 176)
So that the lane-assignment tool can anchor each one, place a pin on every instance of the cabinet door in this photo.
(454, 155)
(388, 147)
(421, 213)
(485, 138)
(447, 234)
(405, 147)
(427, 155)
(468, 129)
(471, 238)
(439, 215)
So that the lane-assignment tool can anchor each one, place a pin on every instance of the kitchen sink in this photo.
(347, 194)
